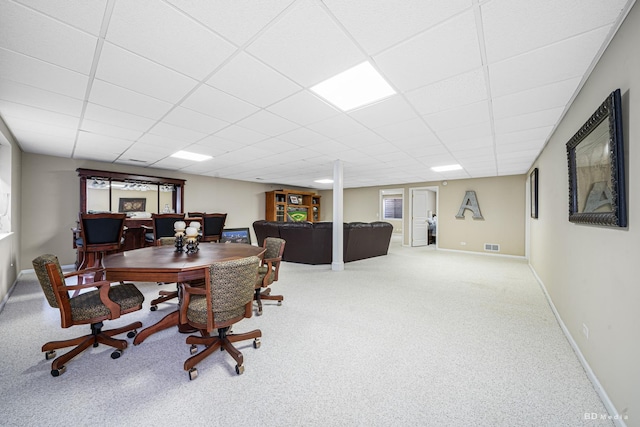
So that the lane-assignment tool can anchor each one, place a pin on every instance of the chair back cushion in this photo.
(39, 265)
(213, 224)
(163, 224)
(99, 229)
(274, 246)
(232, 287)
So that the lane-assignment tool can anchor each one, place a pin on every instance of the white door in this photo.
(419, 218)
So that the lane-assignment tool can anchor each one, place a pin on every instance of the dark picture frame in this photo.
(294, 200)
(130, 204)
(597, 190)
(236, 235)
(534, 192)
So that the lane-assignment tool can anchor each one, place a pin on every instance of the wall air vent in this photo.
(492, 247)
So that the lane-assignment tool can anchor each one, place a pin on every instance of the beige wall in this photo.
(591, 273)
(10, 244)
(50, 201)
(501, 200)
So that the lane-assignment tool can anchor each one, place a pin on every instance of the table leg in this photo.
(167, 321)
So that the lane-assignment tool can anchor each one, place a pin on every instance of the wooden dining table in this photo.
(164, 264)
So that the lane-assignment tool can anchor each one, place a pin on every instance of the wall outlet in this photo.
(585, 331)
(463, 243)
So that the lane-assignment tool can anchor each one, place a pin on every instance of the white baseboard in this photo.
(613, 412)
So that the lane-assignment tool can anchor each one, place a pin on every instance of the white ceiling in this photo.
(480, 83)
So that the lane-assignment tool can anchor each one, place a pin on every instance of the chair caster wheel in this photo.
(50, 355)
(239, 369)
(58, 372)
(256, 343)
(153, 307)
(95, 344)
(116, 354)
(132, 334)
(193, 349)
(259, 313)
(193, 374)
(279, 302)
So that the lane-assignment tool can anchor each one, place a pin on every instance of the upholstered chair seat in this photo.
(100, 301)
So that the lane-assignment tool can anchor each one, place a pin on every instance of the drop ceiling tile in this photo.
(252, 81)
(464, 89)
(20, 30)
(149, 153)
(88, 141)
(221, 144)
(337, 126)
(241, 135)
(38, 115)
(303, 108)
(157, 31)
(520, 146)
(570, 59)
(391, 110)
(445, 51)
(39, 98)
(215, 103)
(128, 101)
(238, 20)
(109, 130)
(361, 139)
(33, 72)
(118, 118)
(303, 137)
(267, 123)
(176, 132)
(32, 141)
(540, 98)
(471, 154)
(82, 14)
(514, 27)
(183, 117)
(404, 130)
(174, 144)
(529, 121)
(538, 134)
(471, 144)
(306, 45)
(44, 128)
(465, 115)
(330, 148)
(379, 25)
(133, 72)
(172, 163)
(275, 146)
(463, 133)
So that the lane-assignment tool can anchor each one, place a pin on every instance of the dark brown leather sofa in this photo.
(311, 243)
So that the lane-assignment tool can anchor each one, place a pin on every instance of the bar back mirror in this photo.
(104, 191)
(596, 168)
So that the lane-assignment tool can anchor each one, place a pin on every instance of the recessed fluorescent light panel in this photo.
(446, 168)
(358, 86)
(191, 156)
(324, 181)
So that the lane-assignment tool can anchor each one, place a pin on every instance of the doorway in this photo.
(423, 204)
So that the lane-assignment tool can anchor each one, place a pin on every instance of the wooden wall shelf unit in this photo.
(292, 205)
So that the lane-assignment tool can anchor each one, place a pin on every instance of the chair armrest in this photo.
(186, 290)
(103, 286)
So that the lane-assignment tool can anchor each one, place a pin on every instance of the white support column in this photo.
(338, 215)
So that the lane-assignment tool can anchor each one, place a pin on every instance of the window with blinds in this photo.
(392, 208)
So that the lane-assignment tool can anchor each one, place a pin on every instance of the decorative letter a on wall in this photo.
(470, 202)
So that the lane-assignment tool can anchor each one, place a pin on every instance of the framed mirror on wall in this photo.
(103, 191)
(597, 190)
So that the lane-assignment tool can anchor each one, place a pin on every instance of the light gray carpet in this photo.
(418, 337)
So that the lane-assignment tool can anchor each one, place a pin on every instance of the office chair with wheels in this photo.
(107, 302)
(268, 271)
(225, 299)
